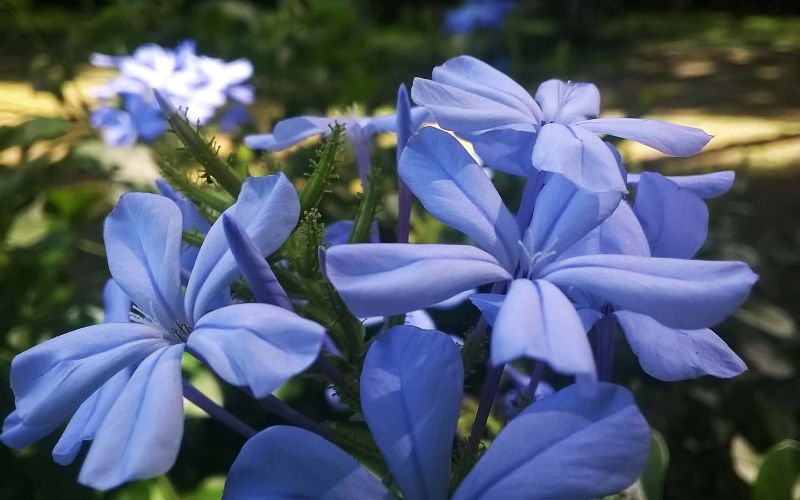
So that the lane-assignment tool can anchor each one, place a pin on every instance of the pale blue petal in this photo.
(380, 279)
(338, 233)
(193, 220)
(143, 243)
(565, 446)
(53, 378)
(115, 125)
(579, 155)
(116, 305)
(454, 301)
(455, 190)
(567, 102)
(141, 434)
(268, 209)
(258, 346)
(420, 319)
(411, 397)
(84, 424)
(488, 304)
(669, 138)
(289, 132)
(675, 220)
(17, 435)
(282, 463)
(688, 294)
(705, 186)
(506, 149)
(669, 354)
(537, 321)
(620, 233)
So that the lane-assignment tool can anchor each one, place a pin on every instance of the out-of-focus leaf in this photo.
(768, 318)
(210, 489)
(36, 129)
(779, 472)
(655, 471)
(745, 459)
(158, 488)
(766, 359)
(202, 379)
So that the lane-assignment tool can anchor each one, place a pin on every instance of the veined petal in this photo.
(563, 215)
(675, 220)
(380, 279)
(687, 294)
(84, 424)
(567, 102)
(17, 435)
(52, 379)
(258, 346)
(475, 76)
(143, 244)
(411, 397)
(506, 149)
(621, 233)
(705, 186)
(289, 462)
(466, 113)
(488, 304)
(568, 445)
(537, 321)
(579, 155)
(193, 220)
(116, 305)
(669, 138)
(141, 434)
(268, 209)
(455, 190)
(669, 354)
(289, 132)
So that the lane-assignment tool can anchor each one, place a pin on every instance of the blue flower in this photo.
(137, 120)
(565, 446)
(475, 14)
(537, 318)
(358, 129)
(553, 131)
(139, 434)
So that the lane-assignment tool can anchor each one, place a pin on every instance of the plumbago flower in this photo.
(475, 14)
(567, 445)
(537, 318)
(137, 433)
(359, 130)
(553, 131)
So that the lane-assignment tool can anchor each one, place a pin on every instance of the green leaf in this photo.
(36, 129)
(779, 472)
(655, 470)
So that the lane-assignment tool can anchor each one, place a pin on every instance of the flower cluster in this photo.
(575, 261)
(200, 85)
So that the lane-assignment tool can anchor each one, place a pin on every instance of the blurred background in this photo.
(729, 67)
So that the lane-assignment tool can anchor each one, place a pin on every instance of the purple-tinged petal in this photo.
(473, 75)
(116, 305)
(380, 279)
(675, 220)
(621, 233)
(669, 138)
(145, 115)
(567, 102)
(488, 304)
(454, 301)
(687, 294)
(115, 125)
(411, 397)
(53, 378)
(17, 435)
(258, 346)
(338, 233)
(568, 445)
(467, 113)
(84, 424)
(289, 462)
(143, 244)
(563, 215)
(537, 321)
(141, 434)
(289, 132)
(669, 354)
(579, 155)
(507, 150)
(388, 123)
(268, 209)
(589, 316)
(455, 190)
(705, 186)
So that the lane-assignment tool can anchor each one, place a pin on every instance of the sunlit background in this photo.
(731, 68)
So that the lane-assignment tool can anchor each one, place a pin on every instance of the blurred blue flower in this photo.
(139, 434)
(138, 120)
(553, 131)
(565, 446)
(476, 14)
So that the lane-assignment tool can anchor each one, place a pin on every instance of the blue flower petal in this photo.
(705, 186)
(289, 132)
(141, 435)
(115, 125)
(259, 346)
(268, 209)
(669, 138)
(567, 102)
(564, 446)
(687, 294)
(537, 321)
(289, 462)
(675, 220)
(379, 279)
(53, 378)
(620, 233)
(116, 305)
(507, 150)
(411, 397)
(143, 244)
(193, 220)
(669, 354)
(579, 155)
(17, 435)
(455, 190)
